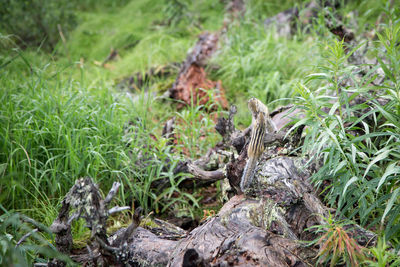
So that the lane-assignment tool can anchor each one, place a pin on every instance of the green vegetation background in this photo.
(63, 116)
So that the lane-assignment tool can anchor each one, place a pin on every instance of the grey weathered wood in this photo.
(263, 227)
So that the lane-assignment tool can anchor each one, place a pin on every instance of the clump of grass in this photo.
(256, 62)
(260, 10)
(382, 255)
(146, 39)
(195, 127)
(54, 131)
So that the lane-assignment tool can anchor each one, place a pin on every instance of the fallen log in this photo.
(263, 227)
(191, 84)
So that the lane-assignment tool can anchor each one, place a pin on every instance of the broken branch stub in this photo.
(86, 199)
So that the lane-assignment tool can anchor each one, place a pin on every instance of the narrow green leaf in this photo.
(390, 204)
(339, 167)
(380, 157)
(353, 153)
(386, 70)
(350, 182)
(391, 169)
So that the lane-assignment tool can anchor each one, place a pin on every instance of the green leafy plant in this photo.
(382, 256)
(175, 199)
(336, 246)
(21, 245)
(353, 127)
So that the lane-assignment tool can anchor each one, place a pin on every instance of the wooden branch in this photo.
(202, 175)
(121, 239)
(225, 126)
(25, 237)
(193, 76)
(247, 231)
(113, 191)
(117, 209)
(168, 130)
(61, 227)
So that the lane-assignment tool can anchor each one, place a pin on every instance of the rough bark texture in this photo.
(260, 228)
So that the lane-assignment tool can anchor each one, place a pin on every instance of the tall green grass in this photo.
(256, 62)
(56, 129)
(140, 33)
(53, 132)
(63, 119)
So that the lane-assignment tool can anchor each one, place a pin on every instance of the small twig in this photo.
(200, 174)
(225, 126)
(104, 245)
(280, 110)
(232, 112)
(117, 209)
(113, 54)
(168, 130)
(129, 230)
(26, 236)
(90, 252)
(38, 225)
(111, 193)
(39, 264)
(73, 217)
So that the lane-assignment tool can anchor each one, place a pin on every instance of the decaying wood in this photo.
(192, 85)
(168, 131)
(61, 227)
(225, 126)
(262, 228)
(86, 199)
(112, 56)
(202, 175)
(235, 7)
(25, 236)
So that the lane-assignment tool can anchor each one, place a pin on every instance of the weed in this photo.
(382, 256)
(19, 242)
(256, 62)
(359, 145)
(335, 244)
(195, 126)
